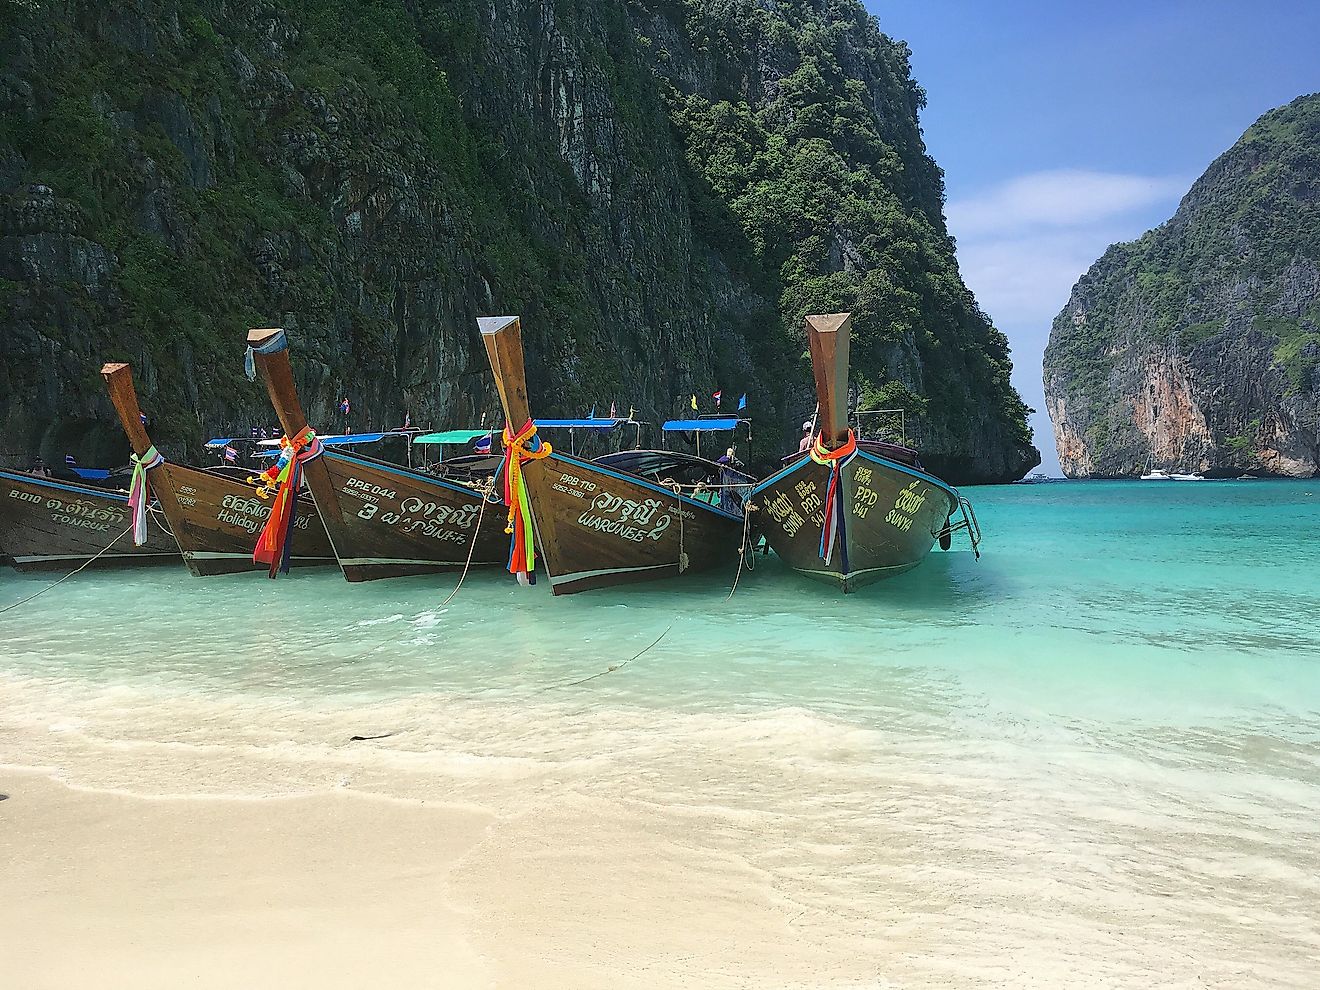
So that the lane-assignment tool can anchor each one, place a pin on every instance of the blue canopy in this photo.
(599, 423)
(92, 474)
(336, 440)
(701, 425)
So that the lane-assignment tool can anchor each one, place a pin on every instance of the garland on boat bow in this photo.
(139, 491)
(832, 526)
(520, 448)
(284, 480)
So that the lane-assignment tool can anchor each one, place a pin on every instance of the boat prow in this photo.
(214, 516)
(384, 520)
(588, 524)
(850, 512)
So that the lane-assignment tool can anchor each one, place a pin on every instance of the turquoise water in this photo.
(1092, 755)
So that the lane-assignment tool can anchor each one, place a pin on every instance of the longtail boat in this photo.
(213, 513)
(594, 524)
(851, 511)
(384, 520)
(52, 524)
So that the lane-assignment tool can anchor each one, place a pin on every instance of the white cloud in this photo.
(1024, 243)
(1060, 198)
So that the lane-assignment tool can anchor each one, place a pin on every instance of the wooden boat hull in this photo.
(388, 521)
(597, 528)
(47, 524)
(216, 519)
(894, 513)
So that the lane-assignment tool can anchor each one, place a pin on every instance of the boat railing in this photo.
(888, 426)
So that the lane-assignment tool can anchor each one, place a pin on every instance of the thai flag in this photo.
(143, 416)
(716, 397)
(482, 446)
(69, 461)
(343, 406)
(256, 433)
(231, 454)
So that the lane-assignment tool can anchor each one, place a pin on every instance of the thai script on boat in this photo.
(783, 512)
(434, 520)
(626, 518)
(571, 484)
(908, 502)
(83, 515)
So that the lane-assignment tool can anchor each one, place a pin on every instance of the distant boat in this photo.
(1187, 477)
(1033, 479)
(1155, 474)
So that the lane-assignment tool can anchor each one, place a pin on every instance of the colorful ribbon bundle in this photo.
(832, 530)
(520, 448)
(284, 479)
(139, 491)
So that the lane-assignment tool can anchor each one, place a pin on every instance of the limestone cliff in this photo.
(1197, 347)
(661, 189)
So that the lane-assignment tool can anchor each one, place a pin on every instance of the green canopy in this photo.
(452, 436)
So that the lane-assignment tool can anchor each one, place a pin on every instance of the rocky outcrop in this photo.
(1197, 347)
(374, 176)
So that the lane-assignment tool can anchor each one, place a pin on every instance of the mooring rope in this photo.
(89, 560)
(742, 549)
(476, 530)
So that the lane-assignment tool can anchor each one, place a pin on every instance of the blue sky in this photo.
(1063, 127)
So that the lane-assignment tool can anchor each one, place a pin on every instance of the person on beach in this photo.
(805, 443)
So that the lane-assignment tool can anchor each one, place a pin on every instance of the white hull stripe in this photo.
(83, 556)
(218, 555)
(841, 578)
(402, 562)
(556, 580)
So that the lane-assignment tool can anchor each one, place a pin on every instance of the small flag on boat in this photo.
(143, 416)
(69, 460)
(257, 433)
(742, 402)
(694, 402)
(231, 454)
(482, 446)
(716, 396)
(343, 406)
(265, 434)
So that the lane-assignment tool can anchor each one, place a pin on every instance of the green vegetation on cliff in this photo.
(661, 189)
(1218, 309)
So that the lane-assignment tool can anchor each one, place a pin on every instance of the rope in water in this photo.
(476, 529)
(89, 560)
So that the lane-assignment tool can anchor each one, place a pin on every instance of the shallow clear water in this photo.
(1098, 745)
